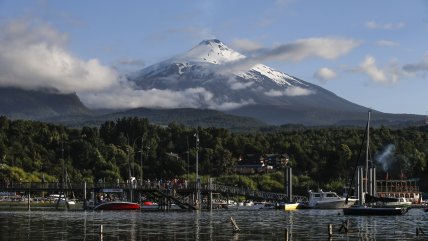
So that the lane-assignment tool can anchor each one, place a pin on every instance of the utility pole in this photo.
(188, 156)
(367, 154)
(141, 161)
(197, 171)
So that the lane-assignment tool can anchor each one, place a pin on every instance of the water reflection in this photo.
(215, 225)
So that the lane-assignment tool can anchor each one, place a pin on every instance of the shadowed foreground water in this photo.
(254, 225)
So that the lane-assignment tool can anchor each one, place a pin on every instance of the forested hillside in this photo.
(320, 157)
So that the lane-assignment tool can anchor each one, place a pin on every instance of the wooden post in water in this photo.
(101, 232)
(360, 182)
(286, 234)
(419, 231)
(330, 230)
(235, 226)
(344, 226)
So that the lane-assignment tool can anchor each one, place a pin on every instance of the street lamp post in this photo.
(132, 174)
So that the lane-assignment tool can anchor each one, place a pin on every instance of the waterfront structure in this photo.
(259, 163)
(408, 189)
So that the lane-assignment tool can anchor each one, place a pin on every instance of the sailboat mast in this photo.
(367, 153)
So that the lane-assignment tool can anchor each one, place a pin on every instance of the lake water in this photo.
(205, 225)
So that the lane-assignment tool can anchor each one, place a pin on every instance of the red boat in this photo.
(118, 205)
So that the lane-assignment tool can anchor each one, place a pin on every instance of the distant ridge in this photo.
(189, 117)
(39, 105)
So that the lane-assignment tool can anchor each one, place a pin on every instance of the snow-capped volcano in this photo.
(211, 75)
(211, 51)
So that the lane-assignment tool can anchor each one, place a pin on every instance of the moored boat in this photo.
(118, 205)
(328, 200)
(291, 206)
(368, 200)
(250, 205)
(363, 210)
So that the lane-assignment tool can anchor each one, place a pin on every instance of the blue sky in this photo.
(381, 59)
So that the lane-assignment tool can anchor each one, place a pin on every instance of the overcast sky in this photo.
(373, 53)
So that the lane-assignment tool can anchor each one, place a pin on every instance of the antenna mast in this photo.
(367, 153)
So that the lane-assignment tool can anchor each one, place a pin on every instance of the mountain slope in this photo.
(231, 82)
(39, 105)
(188, 116)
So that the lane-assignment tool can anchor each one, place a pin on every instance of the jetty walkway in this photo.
(184, 194)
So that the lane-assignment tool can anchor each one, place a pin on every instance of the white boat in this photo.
(250, 205)
(328, 200)
(401, 202)
(54, 198)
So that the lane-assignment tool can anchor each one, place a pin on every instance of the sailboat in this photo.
(367, 188)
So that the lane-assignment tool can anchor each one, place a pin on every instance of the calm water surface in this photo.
(254, 225)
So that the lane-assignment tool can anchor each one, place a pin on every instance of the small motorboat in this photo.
(118, 205)
(328, 200)
(363, 210)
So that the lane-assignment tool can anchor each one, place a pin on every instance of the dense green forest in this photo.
(320, 157)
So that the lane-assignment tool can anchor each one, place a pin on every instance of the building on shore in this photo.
(408, 189)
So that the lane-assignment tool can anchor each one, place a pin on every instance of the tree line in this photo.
(116, 150)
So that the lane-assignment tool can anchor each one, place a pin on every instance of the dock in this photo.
(182, 194)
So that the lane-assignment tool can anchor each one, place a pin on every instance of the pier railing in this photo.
(382, 186)
(145, 186)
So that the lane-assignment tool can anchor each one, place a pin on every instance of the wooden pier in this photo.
(165, 194)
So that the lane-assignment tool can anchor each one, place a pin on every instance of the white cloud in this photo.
(297, 91)
(387, 43)
(235, 84)
(325, 48)
(33, 56)
(290, 91)
(369, 67)
(274, 93)
(325, 74)
(125, 96)
(245, 45)
(386, 76)
(387, 26)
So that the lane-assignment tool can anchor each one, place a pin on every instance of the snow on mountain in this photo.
(211, 51)
(209, 59)
(216, 77)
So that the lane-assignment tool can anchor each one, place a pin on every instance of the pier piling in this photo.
(235, 226)
(286, 234)
(419, 231)
(344, 226)
(101, 233)
(330, 230)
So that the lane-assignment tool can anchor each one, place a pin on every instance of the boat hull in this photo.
(118, 206)
(374, 211)
(291, 206)
(339, 204)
